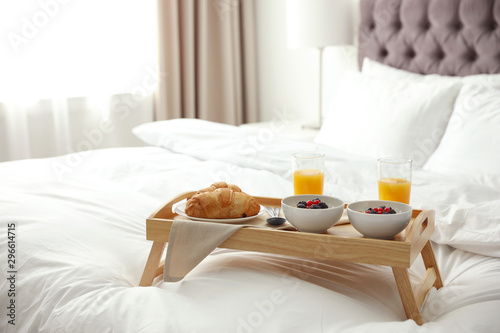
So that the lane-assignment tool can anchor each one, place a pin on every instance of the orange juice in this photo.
(308, 181)
(394, 189)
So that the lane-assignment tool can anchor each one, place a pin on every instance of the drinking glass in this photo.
(308, 172)
(394, 179)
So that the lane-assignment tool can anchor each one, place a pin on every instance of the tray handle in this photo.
(420, 232)
(165, 210)
(267, 201)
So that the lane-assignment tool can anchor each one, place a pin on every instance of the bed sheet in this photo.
(81, 248)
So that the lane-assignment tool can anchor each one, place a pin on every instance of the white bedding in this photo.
(81, 246)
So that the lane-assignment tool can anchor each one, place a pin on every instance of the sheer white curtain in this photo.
(75, 74)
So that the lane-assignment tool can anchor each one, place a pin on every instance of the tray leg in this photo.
(430, 262)
(151, 268)
(406, 293)
(413, 299)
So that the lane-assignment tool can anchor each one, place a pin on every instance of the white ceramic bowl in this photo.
(381, 226)
(312, 220)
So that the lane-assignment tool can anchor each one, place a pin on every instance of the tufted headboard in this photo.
(447, 37)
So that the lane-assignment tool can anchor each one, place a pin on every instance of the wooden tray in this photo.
(341, 242)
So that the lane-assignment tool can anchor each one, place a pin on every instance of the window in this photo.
(64, 48)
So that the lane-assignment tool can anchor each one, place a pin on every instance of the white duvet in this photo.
(80, 245)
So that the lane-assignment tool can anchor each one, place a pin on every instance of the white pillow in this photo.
(170, 133)
(374, 117)
(470, 147)
(376, 69)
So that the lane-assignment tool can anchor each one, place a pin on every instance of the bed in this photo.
(73, 227)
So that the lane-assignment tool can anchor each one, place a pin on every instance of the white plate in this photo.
(180, 209)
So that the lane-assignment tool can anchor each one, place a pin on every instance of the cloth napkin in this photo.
(190, 242)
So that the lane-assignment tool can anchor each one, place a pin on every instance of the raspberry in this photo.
(309, 203)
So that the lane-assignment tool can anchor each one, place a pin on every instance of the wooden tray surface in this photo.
(341, 242)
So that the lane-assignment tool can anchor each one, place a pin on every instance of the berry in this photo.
(312, 204)
(380, 210)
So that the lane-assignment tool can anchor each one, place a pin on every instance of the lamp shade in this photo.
(319, 23)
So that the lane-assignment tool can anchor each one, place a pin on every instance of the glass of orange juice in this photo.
(308, 172)
(394, 179)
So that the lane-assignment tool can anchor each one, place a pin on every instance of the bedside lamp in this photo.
(317, 24)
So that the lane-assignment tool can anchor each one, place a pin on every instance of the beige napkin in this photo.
(190, 242)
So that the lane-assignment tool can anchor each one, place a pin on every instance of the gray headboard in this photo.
(447, 37)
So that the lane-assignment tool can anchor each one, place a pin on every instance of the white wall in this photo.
(289, 79)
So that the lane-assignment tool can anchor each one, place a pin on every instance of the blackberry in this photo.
(314, 207)
(322, 205)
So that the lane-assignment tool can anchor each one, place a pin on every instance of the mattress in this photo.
(80, 246)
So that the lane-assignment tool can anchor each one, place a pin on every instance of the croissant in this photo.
(217, 185)
(222, 203)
